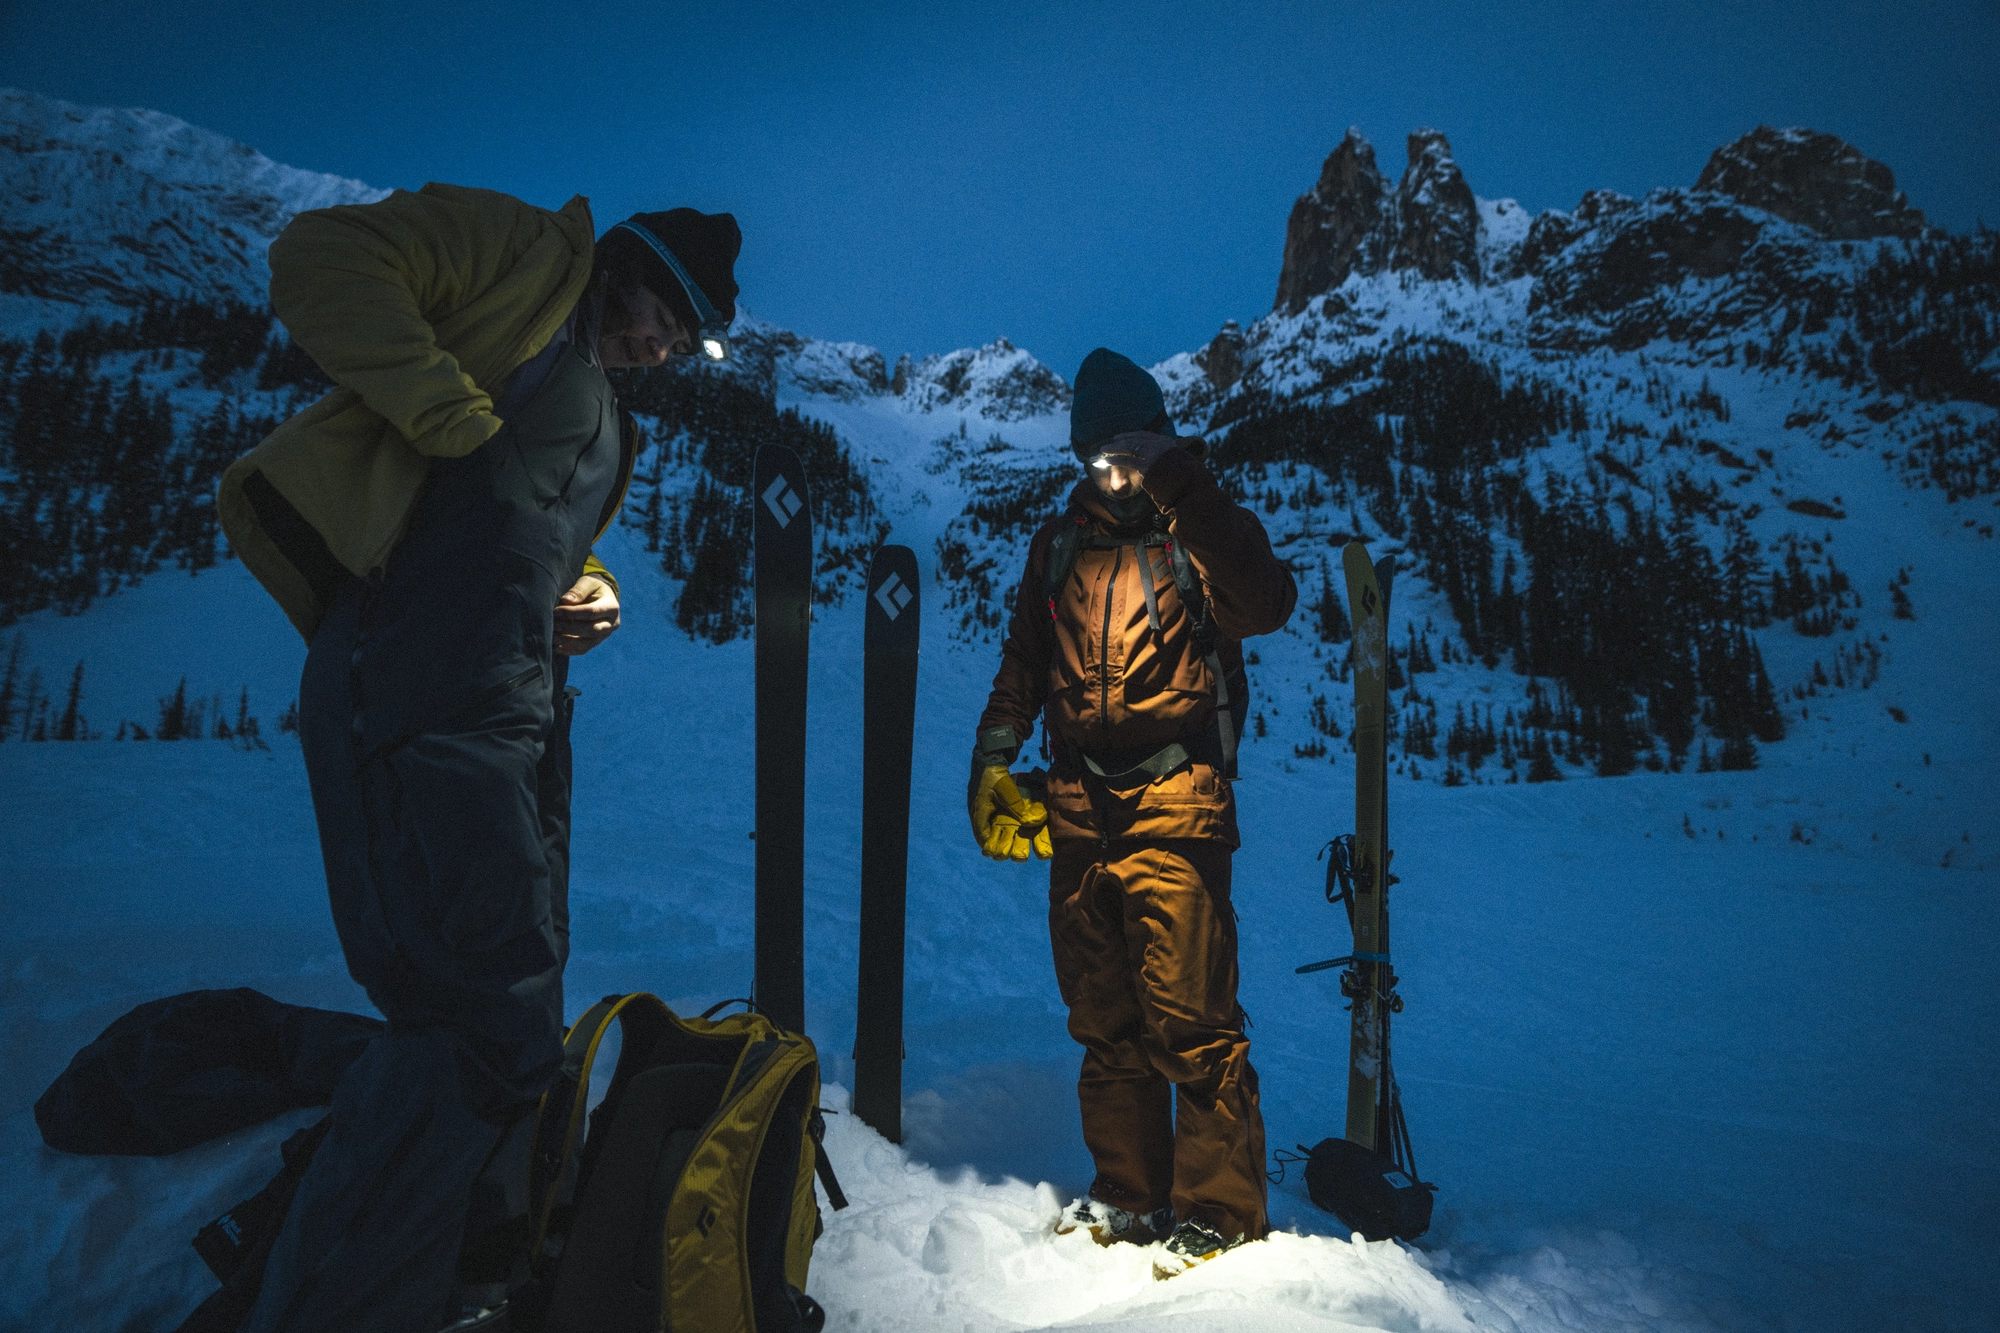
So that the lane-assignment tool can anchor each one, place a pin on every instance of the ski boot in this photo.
(1192, 1243)
(1110, 1225)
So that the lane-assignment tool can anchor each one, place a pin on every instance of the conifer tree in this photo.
(1541, 761)
(10, 684)
(1333, 625)
(174, 714)
(71, 725)
(33, 703)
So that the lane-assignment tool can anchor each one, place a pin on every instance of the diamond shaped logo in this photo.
(893, 596)
(782, 501)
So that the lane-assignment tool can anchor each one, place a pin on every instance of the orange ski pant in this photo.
(1145, 952)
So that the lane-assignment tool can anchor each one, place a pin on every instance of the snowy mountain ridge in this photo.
(107, 207)
(1698, 387)
(997, 381)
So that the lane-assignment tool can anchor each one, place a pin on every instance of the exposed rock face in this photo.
(1222, 360)
(1814, 180)
(1352, 222)
(1614, 256)
(848, 372)
(1346, 224)
(1437, 220)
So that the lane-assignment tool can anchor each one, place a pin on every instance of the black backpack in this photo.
(689, 1202)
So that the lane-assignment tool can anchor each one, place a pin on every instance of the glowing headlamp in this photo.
(1101, 463)
(711, 336)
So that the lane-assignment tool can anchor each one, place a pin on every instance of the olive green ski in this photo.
(1369, 983)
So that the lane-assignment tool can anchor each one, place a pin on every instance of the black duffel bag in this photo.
(181, 1071)
(1368, 1191)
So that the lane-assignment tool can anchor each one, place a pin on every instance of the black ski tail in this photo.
(888, 722)
(782, 528)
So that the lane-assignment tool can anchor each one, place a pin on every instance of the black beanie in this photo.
(1112, 395)
(706, 244)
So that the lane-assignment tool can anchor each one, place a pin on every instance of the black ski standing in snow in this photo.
(888, 725)
(1368, 1178)
(782, 529)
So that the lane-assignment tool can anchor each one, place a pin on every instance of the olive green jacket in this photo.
(418, 307)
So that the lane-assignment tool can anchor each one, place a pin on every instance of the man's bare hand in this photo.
(586, 616)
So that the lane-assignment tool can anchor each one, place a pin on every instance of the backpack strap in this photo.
(559, 1124)
(1195, 598)
(1062, 557)
(1142, 555)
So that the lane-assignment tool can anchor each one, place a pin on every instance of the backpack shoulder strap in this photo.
(1195, 598)
(559, 1123)
(1062, 556)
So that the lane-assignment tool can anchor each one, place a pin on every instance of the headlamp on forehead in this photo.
(1101, 463)
(711, 336)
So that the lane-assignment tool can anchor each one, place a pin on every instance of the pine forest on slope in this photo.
(1611, 444)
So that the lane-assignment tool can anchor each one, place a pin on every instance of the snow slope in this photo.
(1684, 1051)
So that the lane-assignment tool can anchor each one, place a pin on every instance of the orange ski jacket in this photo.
(1089, 662)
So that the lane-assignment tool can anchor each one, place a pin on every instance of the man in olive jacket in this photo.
(428, 527)
(1125, 640)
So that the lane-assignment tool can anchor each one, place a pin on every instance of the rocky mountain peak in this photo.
(1353, 222)
(1000, 381)
(1222, 359)
(1814, 180)
(1344, 224)
(1437, 219)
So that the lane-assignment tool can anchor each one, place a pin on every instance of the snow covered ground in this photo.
(1684, 1052)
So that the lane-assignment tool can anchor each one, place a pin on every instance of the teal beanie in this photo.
(1112, 395)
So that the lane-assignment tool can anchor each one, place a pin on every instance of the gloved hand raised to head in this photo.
(1138, 450)
(1007, 825)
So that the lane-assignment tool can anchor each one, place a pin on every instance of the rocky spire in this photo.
(1222, 360)
(1438, 223)
(1814, 180)
(1345, 224)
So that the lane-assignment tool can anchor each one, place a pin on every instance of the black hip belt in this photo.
(1135, 766)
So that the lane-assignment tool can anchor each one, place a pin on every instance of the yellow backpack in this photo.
(688, 1205)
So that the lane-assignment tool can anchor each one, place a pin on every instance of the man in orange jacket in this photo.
(1126, 640)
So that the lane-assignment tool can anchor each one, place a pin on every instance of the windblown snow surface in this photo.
(1684, 1052)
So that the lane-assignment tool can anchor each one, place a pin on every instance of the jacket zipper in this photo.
(1104, 652)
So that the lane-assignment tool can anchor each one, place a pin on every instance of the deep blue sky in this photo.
(926, 177)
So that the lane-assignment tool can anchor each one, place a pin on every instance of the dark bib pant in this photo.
(434, 720)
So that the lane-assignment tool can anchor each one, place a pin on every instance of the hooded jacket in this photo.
(1091, 665)
(418, 307)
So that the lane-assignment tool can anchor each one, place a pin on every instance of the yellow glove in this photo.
(1007, 825)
